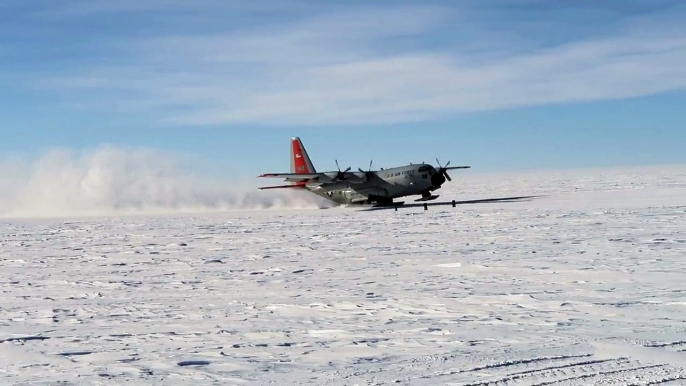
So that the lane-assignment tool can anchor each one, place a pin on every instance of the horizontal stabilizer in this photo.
(282, 187)
(290, 175)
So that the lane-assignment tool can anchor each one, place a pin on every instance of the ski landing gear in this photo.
(426, 196)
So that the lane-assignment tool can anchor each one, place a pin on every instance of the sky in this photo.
(496, 84)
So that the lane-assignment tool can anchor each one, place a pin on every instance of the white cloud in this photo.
(378, 65)
(78, 8)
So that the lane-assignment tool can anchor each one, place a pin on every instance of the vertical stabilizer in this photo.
(300, 161)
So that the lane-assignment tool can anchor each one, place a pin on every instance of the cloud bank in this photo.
(116, 181)
(373, 64)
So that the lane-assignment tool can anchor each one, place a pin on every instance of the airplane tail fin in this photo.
(300, 161)
(302, 170)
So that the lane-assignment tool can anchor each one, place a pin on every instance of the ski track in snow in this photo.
(586, 286)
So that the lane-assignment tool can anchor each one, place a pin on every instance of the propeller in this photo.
(368, 174)
(443, 170)
(341, 174)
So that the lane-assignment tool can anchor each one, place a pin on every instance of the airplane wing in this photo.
(457, 167)
(322, 177)
(298, 176)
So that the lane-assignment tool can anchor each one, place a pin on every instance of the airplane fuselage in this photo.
(386, 185)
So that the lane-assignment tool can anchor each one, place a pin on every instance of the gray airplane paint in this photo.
(385, 185)
(350, 188)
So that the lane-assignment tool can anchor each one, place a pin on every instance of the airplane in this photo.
(371, 187)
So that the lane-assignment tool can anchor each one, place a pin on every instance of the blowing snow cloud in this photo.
(112, 180)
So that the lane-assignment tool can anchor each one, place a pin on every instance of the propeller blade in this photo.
(447, 176)
(347, 170)
(338, 167)
(446, 165)
(370, 165)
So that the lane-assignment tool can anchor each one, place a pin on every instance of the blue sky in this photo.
(496, 84)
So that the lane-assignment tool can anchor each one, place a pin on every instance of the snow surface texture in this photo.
(585, 286)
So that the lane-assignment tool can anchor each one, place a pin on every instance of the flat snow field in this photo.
(584, 286)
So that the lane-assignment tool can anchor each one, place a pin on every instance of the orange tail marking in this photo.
(299, 159)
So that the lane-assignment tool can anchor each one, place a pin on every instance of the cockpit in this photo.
(427, 168)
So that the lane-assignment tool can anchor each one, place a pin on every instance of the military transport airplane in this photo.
(378, 187)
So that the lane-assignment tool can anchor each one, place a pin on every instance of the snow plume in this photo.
(112, 180)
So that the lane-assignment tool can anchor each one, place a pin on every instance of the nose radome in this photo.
(437, 180)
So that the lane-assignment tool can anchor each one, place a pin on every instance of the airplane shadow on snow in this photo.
(453, 203)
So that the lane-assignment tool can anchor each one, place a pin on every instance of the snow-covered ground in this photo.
(584, 286)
